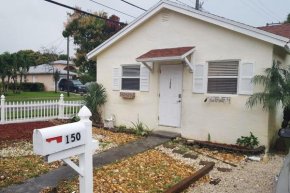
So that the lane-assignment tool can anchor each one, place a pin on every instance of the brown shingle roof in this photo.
(167, 52)
(281, 30)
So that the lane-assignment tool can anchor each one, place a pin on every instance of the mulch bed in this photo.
(20, 131)
(229, 148)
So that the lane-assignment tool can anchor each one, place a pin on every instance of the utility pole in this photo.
(67, 67)
(197, 4)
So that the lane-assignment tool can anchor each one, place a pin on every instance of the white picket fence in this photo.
(18, 112)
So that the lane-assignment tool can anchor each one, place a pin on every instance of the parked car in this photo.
(74, 86)
(88, 84)
(282, 183)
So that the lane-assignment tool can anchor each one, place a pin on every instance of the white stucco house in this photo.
(183, 70)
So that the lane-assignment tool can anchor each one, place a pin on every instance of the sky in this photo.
(32, 24)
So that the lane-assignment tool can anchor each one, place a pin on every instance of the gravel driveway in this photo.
(249, 177)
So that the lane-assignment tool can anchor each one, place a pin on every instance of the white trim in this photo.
(220, 21)
(159, 59)
(129, 77)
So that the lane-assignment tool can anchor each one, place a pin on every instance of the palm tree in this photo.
(95, 98)
(276, 84)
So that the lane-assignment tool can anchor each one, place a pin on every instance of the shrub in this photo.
(140, 129)
(95, 97)
(248, 142)
(34, 87)
(122, 128)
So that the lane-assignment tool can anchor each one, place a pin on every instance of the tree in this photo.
(3, 69)
(88, 33)
(276, 84)
(95, 97)
(56, 77)
(62, 57)
(288, 19)
(27, 59)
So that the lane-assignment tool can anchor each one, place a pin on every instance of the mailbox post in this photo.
(62, 142)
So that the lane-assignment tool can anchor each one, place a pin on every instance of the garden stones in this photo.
(191, 156)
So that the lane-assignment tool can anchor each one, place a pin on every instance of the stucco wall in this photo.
(224, 122)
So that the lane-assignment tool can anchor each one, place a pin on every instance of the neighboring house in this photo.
(44, 73)
(62, 64)
(190, 71)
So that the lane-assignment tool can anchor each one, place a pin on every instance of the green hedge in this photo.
(27, 86)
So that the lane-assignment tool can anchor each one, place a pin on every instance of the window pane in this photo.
(223, 69)
(131, 71)
(130, 83)
(222, 85)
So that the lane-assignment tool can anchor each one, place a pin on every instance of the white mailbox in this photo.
(55, 139)
(63, 141)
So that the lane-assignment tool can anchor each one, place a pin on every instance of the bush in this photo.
(84, 78)
(140, 129)
(248, 142)
(95, 97)
(29, 86)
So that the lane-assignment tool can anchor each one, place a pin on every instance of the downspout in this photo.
(286, 47)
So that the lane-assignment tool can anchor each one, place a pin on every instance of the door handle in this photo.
(179, 101)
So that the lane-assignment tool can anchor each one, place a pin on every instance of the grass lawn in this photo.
(40, 96)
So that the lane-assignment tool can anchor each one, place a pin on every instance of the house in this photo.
(179, 69)
(44, 73)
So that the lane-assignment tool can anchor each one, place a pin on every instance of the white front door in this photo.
(170, 95)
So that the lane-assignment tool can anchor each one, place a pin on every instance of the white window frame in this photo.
(206, 77)
(121, 77)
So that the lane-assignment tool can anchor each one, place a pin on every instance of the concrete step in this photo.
(166, 134)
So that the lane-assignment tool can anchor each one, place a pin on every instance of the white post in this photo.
(86, 159)
(2, 109)
(61, 107)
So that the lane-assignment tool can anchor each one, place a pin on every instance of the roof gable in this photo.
(207, 17)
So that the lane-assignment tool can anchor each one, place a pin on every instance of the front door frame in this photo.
(181, 92)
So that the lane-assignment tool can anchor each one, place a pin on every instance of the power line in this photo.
(84, 12)
(112, 9)
(263, 10)
(269, 9)
(54, 41)
(253, 9)
(59, 44)
(181, 3)
(134, 5)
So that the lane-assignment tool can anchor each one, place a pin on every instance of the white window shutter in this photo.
(198, 78)
(144, 78)
(245, 79)
(116, 78)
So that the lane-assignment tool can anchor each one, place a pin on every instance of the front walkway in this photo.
(51, 179)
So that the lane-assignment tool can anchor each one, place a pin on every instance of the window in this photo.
(131, 77)
(223, 77)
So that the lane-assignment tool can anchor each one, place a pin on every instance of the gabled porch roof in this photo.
(167, 54)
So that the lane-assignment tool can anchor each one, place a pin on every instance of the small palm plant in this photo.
(276, 84)
(95, 97)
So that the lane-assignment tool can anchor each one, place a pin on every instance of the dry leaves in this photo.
(151, 171)
(118, 138)
(225, 156)
(17, 169)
